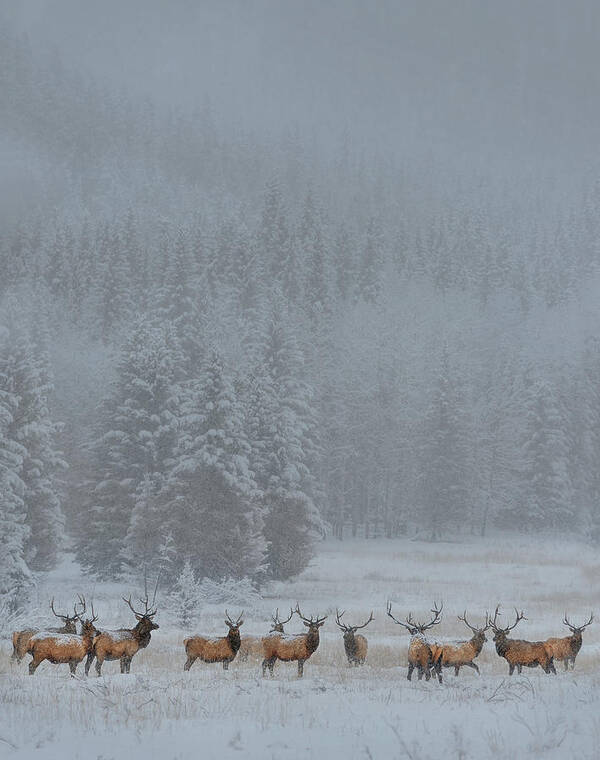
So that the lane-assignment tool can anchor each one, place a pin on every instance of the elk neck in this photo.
(234, 639)
(312, 639)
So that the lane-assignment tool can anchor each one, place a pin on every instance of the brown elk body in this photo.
(292, 648)
(252, 646)
(222, 649)
(567, 648)
(518, 652)
(62, 648)
(460, 655)
(420, 653)
(355, 644)
(123, 643)
(20, 639)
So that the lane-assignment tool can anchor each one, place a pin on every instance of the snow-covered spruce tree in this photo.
(183, 598)
(444, 457)
(372, 262)
(14, 532)
(34, 430)
(547, 498)
(133, 450)
(210, 495)
(284, 453)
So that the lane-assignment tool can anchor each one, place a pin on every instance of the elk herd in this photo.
(63, 645)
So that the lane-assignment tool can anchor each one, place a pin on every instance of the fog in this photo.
(277, 271)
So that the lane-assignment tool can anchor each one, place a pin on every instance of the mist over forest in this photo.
(275, 271)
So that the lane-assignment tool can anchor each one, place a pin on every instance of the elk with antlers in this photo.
(420, 654)
(123, 643)
(460, 655)
(222, 649)
(354, 644)
(517, 652)
(567, 648)
(252, 646)
(20, 639)
(63, 648)
(294, 648)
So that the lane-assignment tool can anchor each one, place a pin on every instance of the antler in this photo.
(436, 617)
(520, 616)
(307, 620)
(338, 622)
(277, 621)
(79, 615)
(230, 622)
(466, 622)
(94, 616)
(62, 617)
(492, 623)
(575, 627)
(409, 621)
(356, 627)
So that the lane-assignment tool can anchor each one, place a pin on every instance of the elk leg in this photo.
(88, 662)
(473, 665)
(456, 669)
(190, 661)
(73, 667)
(225, 664)
(33, 666)
(300, 668)
(511, 668)
(126, 664)
(551, 668)
(566, 663)
(99, 666)
(519, 668)
(411, 667)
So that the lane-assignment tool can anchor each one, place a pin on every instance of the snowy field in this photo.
(335, 711)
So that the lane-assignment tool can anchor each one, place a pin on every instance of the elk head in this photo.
(349, 630)
(478, 633)
(68, 620)
(145, 622)
(277, 626)
(87, 625)
(500, 634)
(412, 626)
(312, 625)
(577, 630)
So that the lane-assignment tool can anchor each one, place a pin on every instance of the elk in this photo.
(123, 643)
(292, 648)
(222, 649)
(420, 654)
(63, 648)
(461, 655)
(567, 648)
(20, 639)
(518, 652)
(355, 645)
(252, 646)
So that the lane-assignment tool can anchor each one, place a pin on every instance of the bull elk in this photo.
(20, 639)
(123, 643)
(567, 648)
(292, 648)
(63, 648)
(517, 652)
(252, 646)
(222, 649)
(420, 653)
(461, 655)
(354, 644)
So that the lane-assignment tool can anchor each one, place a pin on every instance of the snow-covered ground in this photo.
(334, 711)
